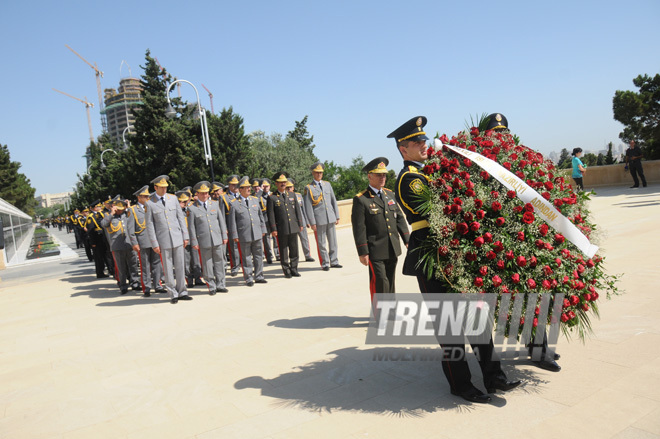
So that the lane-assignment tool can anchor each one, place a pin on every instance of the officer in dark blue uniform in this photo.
(411, 142)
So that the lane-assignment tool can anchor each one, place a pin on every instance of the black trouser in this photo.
(288, 244)
(578, 183)
(88, 246)
(457, 370)
(635, 167)
(381, 276)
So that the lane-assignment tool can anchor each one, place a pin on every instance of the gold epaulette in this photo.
(359, 194)
(388, 190)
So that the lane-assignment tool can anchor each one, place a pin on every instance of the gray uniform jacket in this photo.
(115, 225)
(320, 206)
(246, 222)
(137, 227)
(301, 203)
(206, 227)
(166, 224)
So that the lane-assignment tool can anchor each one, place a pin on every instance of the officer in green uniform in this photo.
(411, 143)
(97, 240)
(377, 224)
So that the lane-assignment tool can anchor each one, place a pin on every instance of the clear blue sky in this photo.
(357, 68)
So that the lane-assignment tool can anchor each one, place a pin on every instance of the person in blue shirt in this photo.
(578, 168)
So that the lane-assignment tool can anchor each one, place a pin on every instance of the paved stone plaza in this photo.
(288, 359)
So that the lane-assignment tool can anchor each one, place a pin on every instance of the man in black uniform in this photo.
(377, 223)
(285, 222)
(411, 142)
(634, 161)
(97, 240)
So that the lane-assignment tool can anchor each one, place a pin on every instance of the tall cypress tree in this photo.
(15, 187)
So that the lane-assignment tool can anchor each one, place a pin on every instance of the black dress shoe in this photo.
(103, 276)
(472, 395)
(211, 292)
(550, 365)
(326, 268)
(234, 274)
(222, 290)
(634, 187)
(500, 383)
(288, 275)
(190, 284)
(295, 274)
(249, 284)
(310, 260)
(136, 287)
(186, 297)
(336, 266)
(261, 281)
(123, 291)
(269, 261)
(160, 290)
(173, 301)
(199, 282)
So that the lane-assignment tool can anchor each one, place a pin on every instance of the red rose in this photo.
(571, 315)
(546, 195)
(507, 165)
(558, 202)
(500, 265)
(529, 207)
(520, 236)
(522, 163)
(532, 261)
(511, 194)
(443, 250)
(497, 281)
(540, 244)
(462, 228)
(479, 242)
(567, 303)
(531, 283)
(485, 175)
(521, 261)
(554, 283)
(478, 203)
(585, 307)
(535, 322)
(488, 237)
(455, 208)
(475, 226)
(454, 242)
(559, 238)
(469, 184)
(509, 255)
(480, 214)
(565, 280)
(471, 257)
(491, 255)
(446, 210)
(515, 278)
(517, 209)
(468, 217)
(543, 229)
(483, 270)
(470, 193)
(580, 268)
(548, 185)
(478, 282)
(496, 206)
(574, 300)
(528, 217)
(590, 263)
(458, 201)
(546, 285)
(500, 221)
(564, 318)
(494, 194)
(497, 246)
(587, 297)
(594, 296)
(547, 270)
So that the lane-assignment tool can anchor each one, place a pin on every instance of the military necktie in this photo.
(162, 200)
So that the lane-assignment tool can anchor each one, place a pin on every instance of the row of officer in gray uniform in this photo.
(164, 234)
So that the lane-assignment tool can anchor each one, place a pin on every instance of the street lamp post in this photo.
(123, 136)
(104, 151)
(171, 112)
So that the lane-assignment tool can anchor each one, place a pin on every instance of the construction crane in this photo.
(210, 97)
(99, 75)
(88, 105)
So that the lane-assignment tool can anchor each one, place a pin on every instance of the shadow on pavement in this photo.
(321, 322)
(358, 381)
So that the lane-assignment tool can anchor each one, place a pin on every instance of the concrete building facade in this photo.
(120, 105)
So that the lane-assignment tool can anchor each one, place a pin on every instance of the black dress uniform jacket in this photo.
(377, 225)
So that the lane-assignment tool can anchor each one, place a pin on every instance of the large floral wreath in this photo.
(483, 238)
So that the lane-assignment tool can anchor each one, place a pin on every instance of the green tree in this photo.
(230, 146)
(639, 112)
(589, 159)
(564, 159)
(275, 153)
(600, 161)
(301, 135)
(15, 187)
(609, 157)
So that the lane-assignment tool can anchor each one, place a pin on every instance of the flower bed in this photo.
(42, 246)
